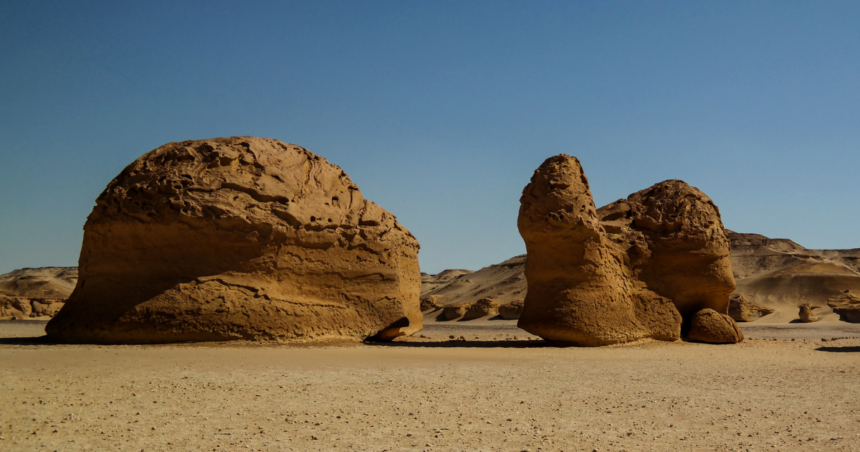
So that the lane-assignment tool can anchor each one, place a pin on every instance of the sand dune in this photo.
(45, 282)
(504, 282)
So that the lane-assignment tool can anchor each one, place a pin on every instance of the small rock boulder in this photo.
(482, 308)
(430, 303)
(847, 306)
(742, 310)
(806, 313)
(715, 328)
(455, 311)
(512, 310)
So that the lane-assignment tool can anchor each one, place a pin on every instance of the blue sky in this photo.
(441, 110)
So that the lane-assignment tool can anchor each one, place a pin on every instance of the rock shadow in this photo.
(36, 340)
(474, 344)
(849, 349)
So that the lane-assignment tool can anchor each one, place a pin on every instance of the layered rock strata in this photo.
(628, 271)
(239, 238)
(710, 326)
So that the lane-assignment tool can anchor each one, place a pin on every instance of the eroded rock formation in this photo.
(453, 312)
(430, 303)
(847, 306)
(628, 271)
(512, 310)
(742, 310)
(710, 326)
(239, 238)
(482, 308)
(807, 314)
(19, 308)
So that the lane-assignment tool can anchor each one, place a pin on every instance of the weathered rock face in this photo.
(455, 311)
(710, 326)
(677, 245)
(482, 308)
(512, 310)
(628, 271)
(847, 306)
(742, 310)
(239, 238)
(581, 288)
(806, 313)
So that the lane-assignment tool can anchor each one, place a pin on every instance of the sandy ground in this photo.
(433, 393)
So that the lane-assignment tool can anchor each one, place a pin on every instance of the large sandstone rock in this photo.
(239, 238)
(710, 326)
(806, 313)
(581, 288)
(482, 308)
(742, 310)
(628, 271)
(847, 306)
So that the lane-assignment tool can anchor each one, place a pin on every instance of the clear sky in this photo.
(441, 110)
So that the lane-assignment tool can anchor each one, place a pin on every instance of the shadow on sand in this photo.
(37, 340)
(849, 349)
(472, 344)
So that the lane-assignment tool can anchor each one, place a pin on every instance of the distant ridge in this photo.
(776, 273)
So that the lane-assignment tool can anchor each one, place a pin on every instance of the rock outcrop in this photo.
(742, 310)
(14, 308)
(806, 313)
(453, 312)
(512, 310)
(628, 271)
(482, 308)
(710, 326)
(847, 306)
(430, 303)
(239, 238)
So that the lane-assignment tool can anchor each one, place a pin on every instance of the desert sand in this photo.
(433, 393)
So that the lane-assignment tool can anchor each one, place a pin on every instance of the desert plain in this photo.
(496, 389)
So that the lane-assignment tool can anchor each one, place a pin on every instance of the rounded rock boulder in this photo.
(239, 238)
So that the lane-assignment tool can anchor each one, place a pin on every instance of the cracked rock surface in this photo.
(240, 238)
